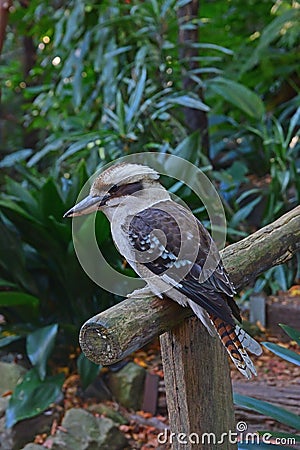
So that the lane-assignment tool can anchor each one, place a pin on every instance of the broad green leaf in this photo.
(118, 51)
(75, 183)
(121, 113)
(279, 434)
(136, 97)
(181, 3)
(56, 145)
(244, 212)
(78, 145)
(292, 332)
(280, 414)
(238, 95)
(282, 277)
(87, 370)
(10, 205)
(4, 283)
(12, 258)
(246, 194)
(12, 298)
(189, 148)
(219, 48)
(4, 341)
(61, 231)
(73, 23)
(23, 196)
(50, 201)
(33, 232)
(284, 353)
(292, 125)
(38, 89)
(188, 102)
(32, 396)
(77, 84)
(39, 346)
(15, 157)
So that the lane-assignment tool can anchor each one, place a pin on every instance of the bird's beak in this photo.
(86, 206)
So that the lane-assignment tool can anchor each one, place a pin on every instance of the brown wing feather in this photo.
(177, 223)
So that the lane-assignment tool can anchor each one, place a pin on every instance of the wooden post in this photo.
(198, 388)
(196, 370)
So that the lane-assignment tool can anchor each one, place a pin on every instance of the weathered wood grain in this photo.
(198, 387)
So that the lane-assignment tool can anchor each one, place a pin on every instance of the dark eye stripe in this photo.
(126, 189)
(113, 189)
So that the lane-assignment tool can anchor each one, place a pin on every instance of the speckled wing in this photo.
(174, 245)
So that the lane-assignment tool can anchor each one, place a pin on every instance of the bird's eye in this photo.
(113, 189)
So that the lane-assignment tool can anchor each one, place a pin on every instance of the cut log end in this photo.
(99, 345)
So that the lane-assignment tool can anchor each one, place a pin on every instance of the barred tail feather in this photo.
(247, 341)
(234, 342)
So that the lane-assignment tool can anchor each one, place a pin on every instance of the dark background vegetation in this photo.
(83, 83)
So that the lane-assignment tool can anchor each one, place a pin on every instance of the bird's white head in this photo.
(116, 185)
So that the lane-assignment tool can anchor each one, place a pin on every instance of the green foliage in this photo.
(280, 414)
(39, 346)
(43, 281)
(32, 396)
(239, 95)
(37, 390)
(285, 353)
(87, 370)
(292, 333)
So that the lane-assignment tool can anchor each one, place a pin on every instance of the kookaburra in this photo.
(171, 250)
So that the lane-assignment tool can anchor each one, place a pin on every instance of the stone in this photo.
(3, 405)
(10, 374)
(107, 411)
(33, 447)
(127, 385)
(25, 431)
(83, 431)
(98, 390)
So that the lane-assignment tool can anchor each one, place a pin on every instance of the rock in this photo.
(98, 390)
(127, 385)
(33, 447)
(10, 374)
(82, 431)
(25, 431)
(107, 411)
(3, 405)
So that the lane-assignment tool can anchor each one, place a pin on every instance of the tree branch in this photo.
(115, 333)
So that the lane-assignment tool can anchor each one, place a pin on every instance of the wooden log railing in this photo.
(196, 369)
